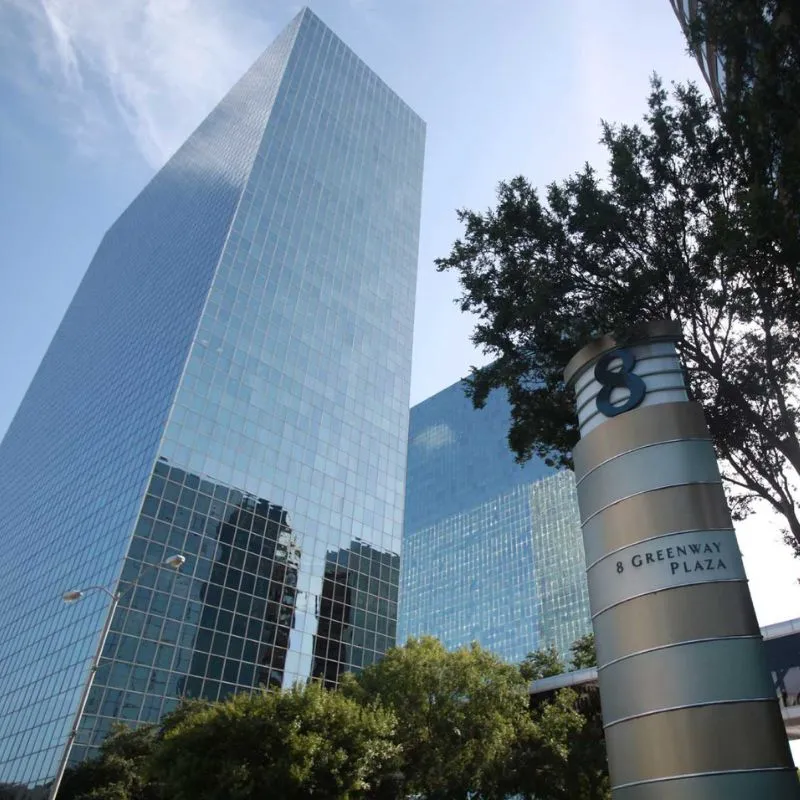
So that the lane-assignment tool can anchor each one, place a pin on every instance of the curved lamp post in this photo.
(73, 596)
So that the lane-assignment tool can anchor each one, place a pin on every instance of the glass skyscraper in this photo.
(711, 62)
(492, 551)
(230, 382)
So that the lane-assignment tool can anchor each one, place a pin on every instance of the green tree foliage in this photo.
(565, 757)
(759, 44)
(546, 662)
(584, 652)
(676, 230)
(423, 723)
(566, 760)
(459, 715)
(305, 742)
(543, 663)
(119, 772)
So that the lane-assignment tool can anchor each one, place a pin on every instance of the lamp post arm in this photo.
(99, 588)
(87, 688)
(115, 598)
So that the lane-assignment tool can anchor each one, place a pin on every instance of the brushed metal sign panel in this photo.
(680, 559)
(646, 469)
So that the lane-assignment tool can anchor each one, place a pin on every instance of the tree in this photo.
(759, 45)
(459, 717)
(563, 757)
(675, 231)
(566, 757)
(424, 722)
(300, 743)
(120, 770)
(584, 652)
(544, 663)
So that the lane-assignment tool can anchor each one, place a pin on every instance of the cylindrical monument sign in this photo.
(689, 708)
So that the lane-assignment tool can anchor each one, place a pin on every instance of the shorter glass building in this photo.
(492, 550)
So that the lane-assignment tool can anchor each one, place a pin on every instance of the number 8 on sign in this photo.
(618, 379)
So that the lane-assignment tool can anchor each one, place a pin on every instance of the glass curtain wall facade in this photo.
(711, 62)
(230, 382)
(492, 551)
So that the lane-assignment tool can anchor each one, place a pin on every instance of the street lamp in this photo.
(73, 596)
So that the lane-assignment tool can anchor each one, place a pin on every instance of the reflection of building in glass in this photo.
(222, 627)
(230, 382)
(357, 610)
(248, 603)
(492, 551)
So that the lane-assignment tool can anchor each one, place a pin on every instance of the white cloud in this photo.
(434, 437)
(151, 68)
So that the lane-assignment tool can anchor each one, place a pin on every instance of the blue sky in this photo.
(96, 95)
